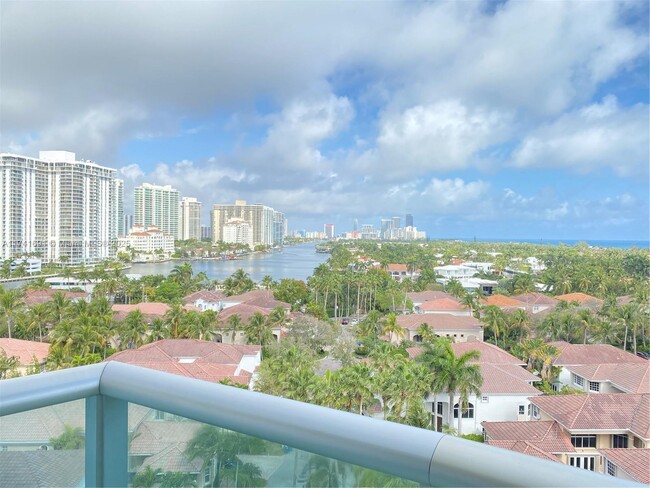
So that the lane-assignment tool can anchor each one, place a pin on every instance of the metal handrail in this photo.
(428, 457)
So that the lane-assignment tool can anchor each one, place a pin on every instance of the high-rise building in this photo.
(237, 231)
(396, 222)
(62, 209)
(328, 230)
(157, 205)
(386, 227)
(128, 224)
(355, 225)
(408, 221)
(206, 232)
(190, 219)
(280, 227)
(260, 217)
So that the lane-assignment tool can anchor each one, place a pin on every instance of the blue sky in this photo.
(493, 119)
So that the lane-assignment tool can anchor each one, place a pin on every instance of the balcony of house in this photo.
(121, 425)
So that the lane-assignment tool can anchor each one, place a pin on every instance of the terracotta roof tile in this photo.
(440, 321)
(205, 360)
(536, 299)
(489, 353)
(505, 379)
(546, 435)
(206, 295)
(33, 297)
(425, 296)
(442, 304)
(573, 354)
(581, 298)
(524, 447)
(502, 301)
(244, 310)
(635, 462)
(630, 377)
(622, 411)
(25, 350)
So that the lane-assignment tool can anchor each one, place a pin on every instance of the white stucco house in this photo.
(507, 387)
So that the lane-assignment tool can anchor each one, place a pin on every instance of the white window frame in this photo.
(583, 462)
(522, 409)
(594, 386)
(485, 399)
(578, 380)
(611, 468)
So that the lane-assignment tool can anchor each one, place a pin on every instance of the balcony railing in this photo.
(426, 457)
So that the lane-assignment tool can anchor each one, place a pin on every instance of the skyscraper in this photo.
(62, 209)
(328, 229)
(261, 218)
(190, 219)
(157, 205)
(408, 222)
(355, 225)
(396, 223)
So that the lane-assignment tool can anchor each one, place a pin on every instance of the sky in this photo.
(491, 119)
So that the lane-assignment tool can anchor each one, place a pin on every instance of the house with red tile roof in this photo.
(457, 328)
(601, 368)
(206, 300)
(585, 429)
(582, 299)
(25, 351)
(204, 360)
(503, 302)
(33, 297)
(443, 305)
(401, 272)
(419, 297)
(505, 393)
(594, 422)
(629, 464)
(258, 298)
(537, 302)
(544, 439)
(150, 310)
(245, 311)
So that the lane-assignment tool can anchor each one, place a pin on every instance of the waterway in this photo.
(296, 262)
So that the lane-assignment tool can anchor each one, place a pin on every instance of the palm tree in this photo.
(10, 304)
(454, 288)
(392, 328)
(60, 305)
(267, 282)
(133, 330)
(469, 300)
(175, 319)
(495, 320)
(157, 330)
(258, 330)
(39, 316)
(212, 445)
(456, 374)
(234, 324)
(146, 478)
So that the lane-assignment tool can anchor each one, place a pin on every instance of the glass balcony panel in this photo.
(43, 447)
(176, 451)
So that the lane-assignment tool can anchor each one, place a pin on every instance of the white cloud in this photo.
(585, 140)
(441, 136)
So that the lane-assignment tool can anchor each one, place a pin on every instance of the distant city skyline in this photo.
(505, 119)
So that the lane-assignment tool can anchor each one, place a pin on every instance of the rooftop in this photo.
(444, 321)
(25, 351)
(573, 354)
(613, 412)
(634, 462)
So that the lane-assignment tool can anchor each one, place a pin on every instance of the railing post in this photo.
(107, 442)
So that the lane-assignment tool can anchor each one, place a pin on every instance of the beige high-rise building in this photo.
(157, 205)
(267, 225)
(59, 208)
(190, 219)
